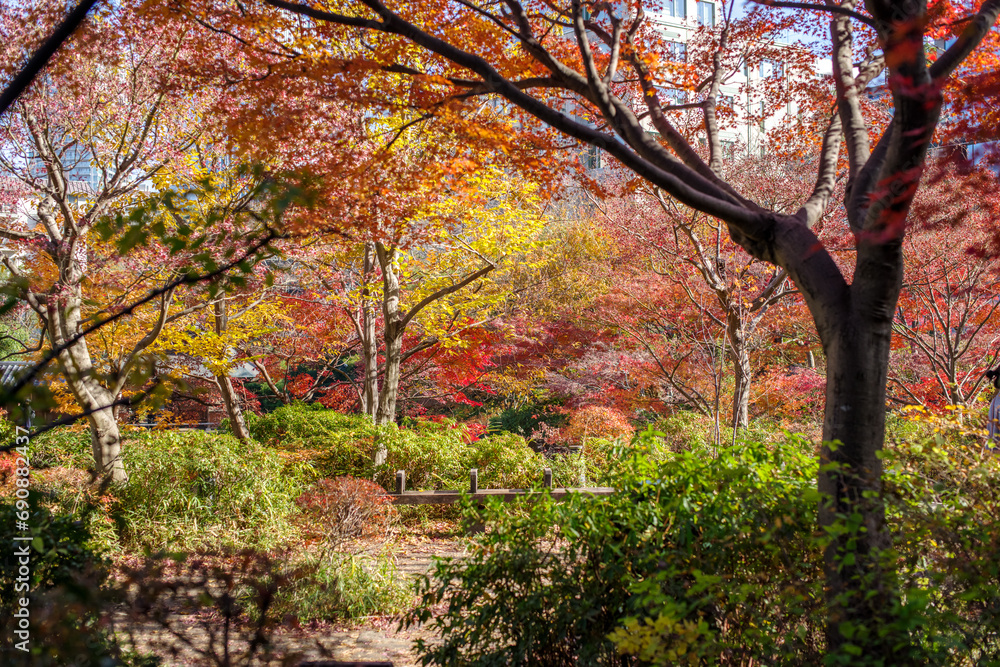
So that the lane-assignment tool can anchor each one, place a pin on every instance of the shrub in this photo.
(343, 587)
(346, 508)
(719, 540)
(65, 446)
(505, 461)
(526, 420)
(435, 455)
(595, 421)
(190, 489)
(68, 589)
(705, 559)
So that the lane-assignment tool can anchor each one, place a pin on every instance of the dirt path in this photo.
(375, 639)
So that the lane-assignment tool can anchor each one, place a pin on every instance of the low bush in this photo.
(530, 421)
(706, 557)
(505, 461)
(595, 421)
(435, 455)
(346, 508)
(66, 447)
(719, 538)
(347, 586)
(191, 489)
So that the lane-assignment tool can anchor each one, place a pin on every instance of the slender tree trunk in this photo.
(742, 373)
(393, 339)
(225, 384)
(369, 342)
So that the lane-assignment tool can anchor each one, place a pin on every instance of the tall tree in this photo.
(592, 71)
(82, 141)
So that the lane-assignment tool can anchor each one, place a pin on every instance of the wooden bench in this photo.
(448, 497)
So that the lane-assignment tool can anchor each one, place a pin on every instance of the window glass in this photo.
(706, 13)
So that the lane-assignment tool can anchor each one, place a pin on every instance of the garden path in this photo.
(372, 639)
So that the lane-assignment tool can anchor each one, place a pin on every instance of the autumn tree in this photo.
(428, 284)
(82, 142)
(592, 71)
(102, 250)
(947, 324)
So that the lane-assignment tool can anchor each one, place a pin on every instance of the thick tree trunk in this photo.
(105, 440)
(861, 592)
(225, 384)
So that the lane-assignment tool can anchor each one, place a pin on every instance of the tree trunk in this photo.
(393, 344)
(98, 402)
(861, 592)
(105, 440)
(225, 384)
(62, 322)
(742, 372)
(369, 343)
(390, 382)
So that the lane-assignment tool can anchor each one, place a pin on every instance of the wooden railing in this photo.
(447, 497)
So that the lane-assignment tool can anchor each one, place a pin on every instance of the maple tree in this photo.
(429, 292)
(948, 321)
(100, 248)
(701, 266)
(562, 66)
(84, 115)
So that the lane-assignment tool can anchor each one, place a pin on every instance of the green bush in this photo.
(435, 455)
(525, 419)
(190, 489)
(714, 558)
(719, 539)
(505, 461)
(65, 446)
(346, 587)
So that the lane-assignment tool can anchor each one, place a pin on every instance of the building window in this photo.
(706, 14)
(591, 158)
(726, 102)
(675, 8)
(673, 96)
(677, 51)
(762, 128)
(770, 67)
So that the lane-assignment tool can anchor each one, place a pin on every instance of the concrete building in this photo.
(752, 115)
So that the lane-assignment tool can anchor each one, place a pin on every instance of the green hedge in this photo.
(435, 455)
